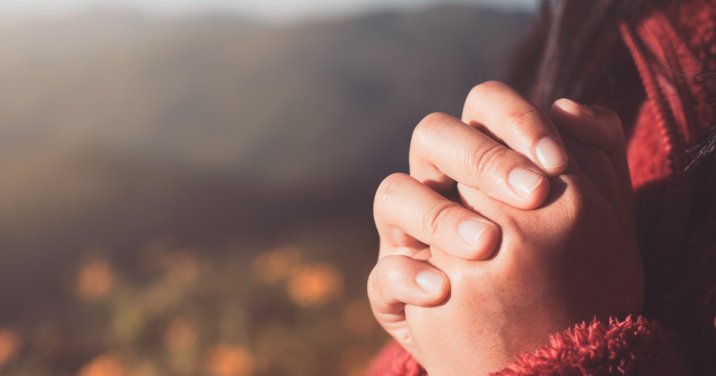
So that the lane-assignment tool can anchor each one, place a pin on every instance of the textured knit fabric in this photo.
(674, 51)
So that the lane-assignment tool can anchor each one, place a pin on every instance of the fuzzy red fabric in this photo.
(674, 51)
(629, 347)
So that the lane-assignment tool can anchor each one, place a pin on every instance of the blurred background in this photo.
(186, 185)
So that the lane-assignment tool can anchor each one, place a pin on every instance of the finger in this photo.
(399, 280)
(445, 150)
(500, 110)
(601, 128)
(406, 210)
(591, 125)
(573, 182)
(597, 167)
(594, 125)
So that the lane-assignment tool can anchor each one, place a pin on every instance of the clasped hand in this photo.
(512, 225)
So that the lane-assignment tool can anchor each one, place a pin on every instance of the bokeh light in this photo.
(10, 343)
(192, 195)
(229, 360)
(274, 265)
(94, 279)
(313, 284)
(104, 365)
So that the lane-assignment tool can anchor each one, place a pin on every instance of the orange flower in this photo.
(94, 279)
(10, 343)
(229, 360)
(314, 284)
(273, 266)
(104, 365)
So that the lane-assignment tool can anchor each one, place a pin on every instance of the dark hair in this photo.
(557, 58)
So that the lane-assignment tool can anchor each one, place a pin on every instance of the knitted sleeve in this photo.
(629, 347)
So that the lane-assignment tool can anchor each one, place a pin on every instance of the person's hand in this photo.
(412, 211)
(573, 259)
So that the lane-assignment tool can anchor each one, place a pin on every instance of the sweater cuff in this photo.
(629, 347)
(393, 360)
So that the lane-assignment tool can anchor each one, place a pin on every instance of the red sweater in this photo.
(674, 51)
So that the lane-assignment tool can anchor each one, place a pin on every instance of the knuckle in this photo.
(392, 269)
(388, 187)
(395, 275)
(426, 128)
(486, 87)
(525, 115)
(376, 287)
(436, 118)
(482, 159)
(479, 91)
(434, 218)
(378, 274)
(430, 123)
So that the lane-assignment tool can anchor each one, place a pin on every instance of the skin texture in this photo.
(553, 256)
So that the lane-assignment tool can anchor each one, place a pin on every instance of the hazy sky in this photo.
(271, 9)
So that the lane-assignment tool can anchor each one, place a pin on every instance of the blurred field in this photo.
(193, 196)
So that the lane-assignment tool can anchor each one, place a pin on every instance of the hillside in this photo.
(119, 129)
(325, 106)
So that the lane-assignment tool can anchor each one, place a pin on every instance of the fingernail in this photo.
(429, 282)
(574, 108)
(524, 181)
(471, 231)
(550, 154)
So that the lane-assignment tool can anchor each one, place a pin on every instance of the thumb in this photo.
(601, 128)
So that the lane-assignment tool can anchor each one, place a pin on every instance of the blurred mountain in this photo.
(117, 127)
